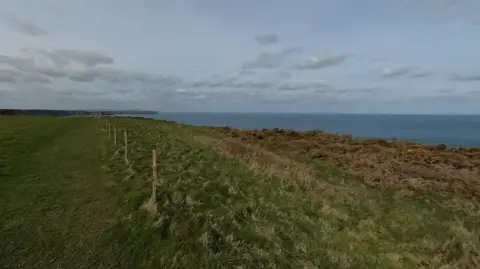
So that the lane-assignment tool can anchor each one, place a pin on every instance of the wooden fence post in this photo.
(151, 204)
(126, 145)
(109, 134)
(154, 165)
(114, 135)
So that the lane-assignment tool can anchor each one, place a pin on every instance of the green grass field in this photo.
(68, 199)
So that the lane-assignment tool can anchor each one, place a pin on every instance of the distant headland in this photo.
(52, 112)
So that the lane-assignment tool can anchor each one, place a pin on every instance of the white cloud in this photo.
(393, 72)
(320, 61)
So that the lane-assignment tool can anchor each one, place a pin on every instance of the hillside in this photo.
(71, 198)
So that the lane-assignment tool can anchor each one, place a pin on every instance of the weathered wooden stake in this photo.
(109, 133)
(153, 198)
(114, 135)
(126, 145)
(151, 204)
(154, 165)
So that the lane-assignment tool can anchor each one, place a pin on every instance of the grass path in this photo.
(53, 203)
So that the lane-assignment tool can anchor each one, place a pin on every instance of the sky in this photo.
(304, 56)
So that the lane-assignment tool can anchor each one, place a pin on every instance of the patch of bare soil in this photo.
(378, 162)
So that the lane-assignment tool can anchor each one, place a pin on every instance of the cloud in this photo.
(266, 88)
(87, 71)
(268, 60)
(133, 86)
(412, 72)
(291, 50)
(466, 78)
(282, 74)
(17, 62)
(8, 76)
(265, 60)
(460, 7)
(253, 89)
(266, 39)
(320, 61)
(299, 86)
(35, 78)
(393, 72)
(113, 75)
(70, 97)
(56, 59)
(117, 76)
(48, 71)
(11, 76)
(183, 93)
(232, 83)
(62, 57)
(24, 26)
(445, 91)
(421, 74)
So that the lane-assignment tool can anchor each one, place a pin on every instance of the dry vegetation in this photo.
(378, 162)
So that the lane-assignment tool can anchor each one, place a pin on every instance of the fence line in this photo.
(151, 204)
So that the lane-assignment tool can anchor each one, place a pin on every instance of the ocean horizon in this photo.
(453, 130)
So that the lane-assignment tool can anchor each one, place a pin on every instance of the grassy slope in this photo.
(68, 201)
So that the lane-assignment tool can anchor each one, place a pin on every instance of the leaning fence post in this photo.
(126, 145)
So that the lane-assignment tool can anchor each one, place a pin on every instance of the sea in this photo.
(452, 130)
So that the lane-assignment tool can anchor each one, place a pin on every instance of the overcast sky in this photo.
(370, 56)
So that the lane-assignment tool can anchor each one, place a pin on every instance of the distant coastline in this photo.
(53, 112)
